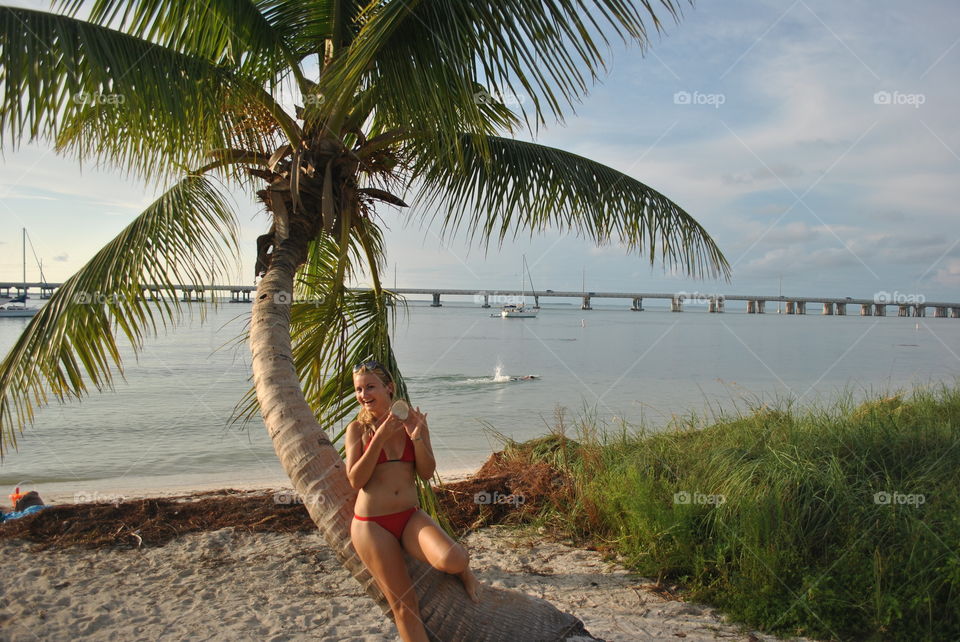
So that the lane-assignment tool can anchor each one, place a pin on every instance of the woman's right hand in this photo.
(390, 426)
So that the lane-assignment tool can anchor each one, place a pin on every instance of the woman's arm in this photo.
(419, 433)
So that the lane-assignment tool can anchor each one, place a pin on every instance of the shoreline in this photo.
(130, 488)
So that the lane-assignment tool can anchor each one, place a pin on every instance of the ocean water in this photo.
(165, 424)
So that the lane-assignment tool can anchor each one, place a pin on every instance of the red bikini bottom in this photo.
(394, 522)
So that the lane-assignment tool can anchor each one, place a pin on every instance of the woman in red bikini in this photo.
(383, 455)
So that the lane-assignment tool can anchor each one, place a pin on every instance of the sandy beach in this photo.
(238, 585)
(244, 563)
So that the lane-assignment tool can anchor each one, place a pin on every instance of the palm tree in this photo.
(395, 97)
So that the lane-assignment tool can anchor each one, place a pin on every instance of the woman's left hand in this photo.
(416, 424)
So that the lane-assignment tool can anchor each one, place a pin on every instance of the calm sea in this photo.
(166, 424)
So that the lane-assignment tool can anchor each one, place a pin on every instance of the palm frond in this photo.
(356, 328)
(336, 327)
(115, 97)
(235, 34)
(310, 24)
(543, 54)
(128, 288)
(517, 186)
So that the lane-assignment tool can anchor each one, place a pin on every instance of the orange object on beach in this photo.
(15, 496)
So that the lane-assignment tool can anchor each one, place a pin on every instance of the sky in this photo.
(814, 140)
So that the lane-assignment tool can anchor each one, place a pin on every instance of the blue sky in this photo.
(815, 140)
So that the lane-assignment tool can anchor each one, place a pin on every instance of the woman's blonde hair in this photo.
(377, 369)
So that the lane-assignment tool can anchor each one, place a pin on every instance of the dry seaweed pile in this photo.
(154, 522)
(504, 490)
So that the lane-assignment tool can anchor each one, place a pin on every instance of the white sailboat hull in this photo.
(517, 312)
(521, 311)
(18, 312)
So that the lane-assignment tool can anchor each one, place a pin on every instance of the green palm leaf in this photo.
(236, 34)
(309, 25)
(102, 93)
(512, 186)
(71, 344)
(547, 52)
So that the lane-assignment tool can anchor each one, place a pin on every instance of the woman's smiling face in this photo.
(372, 394)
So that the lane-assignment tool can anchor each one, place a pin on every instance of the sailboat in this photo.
(521, 311)
(17, 306)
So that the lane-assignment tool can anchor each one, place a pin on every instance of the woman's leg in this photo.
(426, 541)
(383, 556)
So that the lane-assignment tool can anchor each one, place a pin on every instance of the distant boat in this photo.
(521, 311)
(17, 306)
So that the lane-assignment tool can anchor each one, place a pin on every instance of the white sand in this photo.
(223, 585)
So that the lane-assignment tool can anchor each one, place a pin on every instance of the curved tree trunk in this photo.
(318, 475)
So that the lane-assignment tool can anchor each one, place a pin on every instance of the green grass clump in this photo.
(841, 523)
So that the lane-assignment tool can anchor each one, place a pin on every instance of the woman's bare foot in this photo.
(471, 584)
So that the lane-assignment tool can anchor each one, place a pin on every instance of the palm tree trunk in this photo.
(317, 473)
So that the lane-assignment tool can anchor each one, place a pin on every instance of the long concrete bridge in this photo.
(906, 305)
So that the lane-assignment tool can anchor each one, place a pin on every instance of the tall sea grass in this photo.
(836, 523)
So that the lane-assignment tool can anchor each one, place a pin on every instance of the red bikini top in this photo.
(408, 452)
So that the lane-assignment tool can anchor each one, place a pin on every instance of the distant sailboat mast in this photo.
(23, 245)
(533, 290)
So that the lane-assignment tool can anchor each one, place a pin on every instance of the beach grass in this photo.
(834, 523)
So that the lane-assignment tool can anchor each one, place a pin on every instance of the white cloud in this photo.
(949, 275)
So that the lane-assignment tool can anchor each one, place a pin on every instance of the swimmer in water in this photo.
(524, 378)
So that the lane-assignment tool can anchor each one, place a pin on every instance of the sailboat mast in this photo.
(23, 246)
(523, 285)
